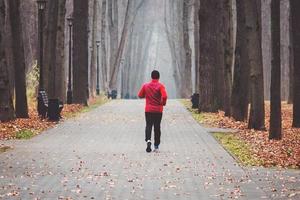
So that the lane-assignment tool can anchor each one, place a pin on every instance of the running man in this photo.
(156, 98)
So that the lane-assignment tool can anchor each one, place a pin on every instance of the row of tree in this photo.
(220, 44)
(108, 21)
(230, 61)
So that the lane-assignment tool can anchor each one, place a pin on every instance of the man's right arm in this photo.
(141, 93)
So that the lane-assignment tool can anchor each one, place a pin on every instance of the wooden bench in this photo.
(50, 108)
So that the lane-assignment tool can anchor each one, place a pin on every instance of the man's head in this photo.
(155, 74)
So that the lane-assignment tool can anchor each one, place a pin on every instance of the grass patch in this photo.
(237, 148)
(24, 134)
(95, 104)
(201, 117)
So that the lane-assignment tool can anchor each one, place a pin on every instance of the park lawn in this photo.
(27, 128)
(259, 150)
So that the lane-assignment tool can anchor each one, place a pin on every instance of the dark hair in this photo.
(155, 74)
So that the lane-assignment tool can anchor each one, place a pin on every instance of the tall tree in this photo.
(291, 60)
(172, 32)
(103, 46)
(240, 87)
(113, 24)
(196, 43)
(93, 71)
(60, 84)
(211, 66)
(187, 83)
(54, 49)
(228, 54)
(131, 12)
(21, 107)
(275, 115)
(6, 103)
(80, 52)
(295, 12)
(254, 50)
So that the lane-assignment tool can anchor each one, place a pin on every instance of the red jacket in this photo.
(155, 94)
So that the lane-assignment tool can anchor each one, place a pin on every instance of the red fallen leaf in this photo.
(33, 123)
(283, 153)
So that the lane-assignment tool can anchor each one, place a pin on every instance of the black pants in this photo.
(153, 119)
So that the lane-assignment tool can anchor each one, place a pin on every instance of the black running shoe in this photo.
(148, 147)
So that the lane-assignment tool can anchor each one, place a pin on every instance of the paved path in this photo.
(101, 155)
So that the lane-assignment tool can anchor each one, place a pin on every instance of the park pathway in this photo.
(101, 155)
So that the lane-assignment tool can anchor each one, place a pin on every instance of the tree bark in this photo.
(130, 15)
(187, 83)
(169, 28)
(295, 12)
(80, 58)
(6, 103)
(21, 108)
(60, 83)
(228, 54)
(196, 43)
(211, 67)
(240, 86)
(54, 49)
(103, 46)
(275, 115)
(93, 71)
(50, 31)
(253, 38)
(291, 60)
(113, 24)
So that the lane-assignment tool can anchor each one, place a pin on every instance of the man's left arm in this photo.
(164, 95)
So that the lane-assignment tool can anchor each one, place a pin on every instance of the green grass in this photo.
(238, 148)
(234, 145)
(99, 101)
(24, 134)
(202, 118)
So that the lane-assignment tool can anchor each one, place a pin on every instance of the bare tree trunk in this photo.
(187, 83)
(80, 58)
(171, 42)
(295, 12)
(28, 14)
(103, 45)
(60, 84)
(291, 60)
(196, 41)
(130, 15)
(54, 49)
(240, 87)
(253, 38)
(93, 71)
(50, 30)
(228, 54)
(18, 59)
(275, 115)
(113, 25)
(8, 49)
(211, 68)
(6, 104)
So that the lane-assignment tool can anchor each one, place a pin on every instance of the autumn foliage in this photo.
(34, 123)
(280, 153)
